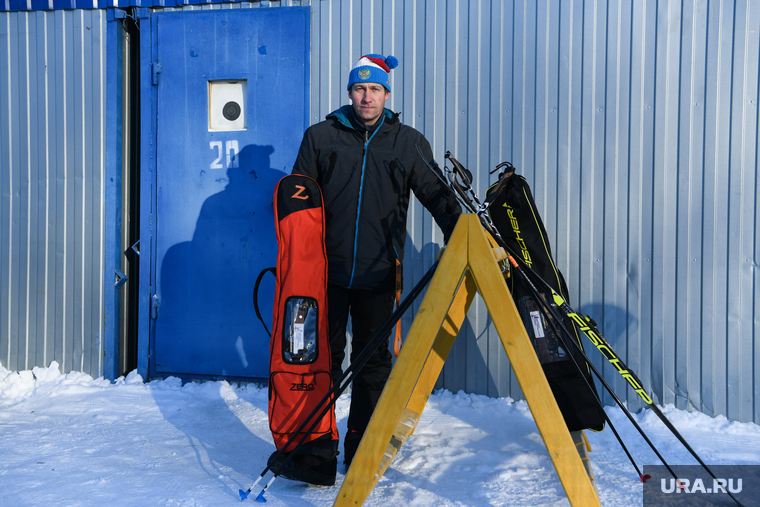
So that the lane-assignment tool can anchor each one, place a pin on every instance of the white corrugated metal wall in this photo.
(635, 123)
(52, 160)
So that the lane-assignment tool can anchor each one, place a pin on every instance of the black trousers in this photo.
(369, 310)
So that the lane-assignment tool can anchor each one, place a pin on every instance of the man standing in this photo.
(366, 162)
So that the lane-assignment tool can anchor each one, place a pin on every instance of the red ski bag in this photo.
(300, 362)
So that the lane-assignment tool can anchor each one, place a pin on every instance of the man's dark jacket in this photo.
(365, 179)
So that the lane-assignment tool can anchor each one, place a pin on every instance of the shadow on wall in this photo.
(466, 368)
(206, 324)
(614, 323)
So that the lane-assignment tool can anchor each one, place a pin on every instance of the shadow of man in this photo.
(208, 329)
(205, 326)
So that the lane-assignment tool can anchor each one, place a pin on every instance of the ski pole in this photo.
(589, 328)
(592, 333)
(345, 380)
(556, 323)
(341, 385)
(460, 190)
(488, 225)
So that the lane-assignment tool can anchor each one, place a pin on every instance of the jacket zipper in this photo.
(367, 139)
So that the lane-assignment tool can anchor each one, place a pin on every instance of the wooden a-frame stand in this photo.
(469, 264)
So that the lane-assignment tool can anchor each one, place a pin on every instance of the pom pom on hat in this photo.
(373, 68)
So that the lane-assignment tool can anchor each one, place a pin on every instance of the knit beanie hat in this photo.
(373, 69)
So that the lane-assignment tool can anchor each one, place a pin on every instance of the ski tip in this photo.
(261, 498)
(244, 494)
(644, 478)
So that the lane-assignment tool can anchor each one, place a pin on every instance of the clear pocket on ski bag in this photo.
(299, 340)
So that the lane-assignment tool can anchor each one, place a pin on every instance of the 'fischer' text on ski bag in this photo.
(513, 212)
(300, 363)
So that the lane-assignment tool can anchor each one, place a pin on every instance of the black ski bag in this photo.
(514, 213)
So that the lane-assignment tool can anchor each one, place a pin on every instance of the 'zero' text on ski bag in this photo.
(300, 362)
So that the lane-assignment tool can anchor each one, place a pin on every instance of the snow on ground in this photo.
(71, 440)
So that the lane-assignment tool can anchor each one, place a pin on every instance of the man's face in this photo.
(368, 101)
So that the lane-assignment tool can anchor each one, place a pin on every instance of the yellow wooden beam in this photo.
(430, 372)
(469, 263)
(529, 372)
(363, 471)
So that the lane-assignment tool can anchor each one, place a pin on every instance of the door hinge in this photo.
(155, 302)
(120, 278)
(155, 70)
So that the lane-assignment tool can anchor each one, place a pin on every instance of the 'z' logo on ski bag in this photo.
(298, 195)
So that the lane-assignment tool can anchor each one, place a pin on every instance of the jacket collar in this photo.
(343, 116)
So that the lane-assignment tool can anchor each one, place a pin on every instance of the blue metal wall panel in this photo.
(52, 139)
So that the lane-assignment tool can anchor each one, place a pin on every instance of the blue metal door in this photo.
(232, 105)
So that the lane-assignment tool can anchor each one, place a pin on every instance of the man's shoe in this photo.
(305, 468)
